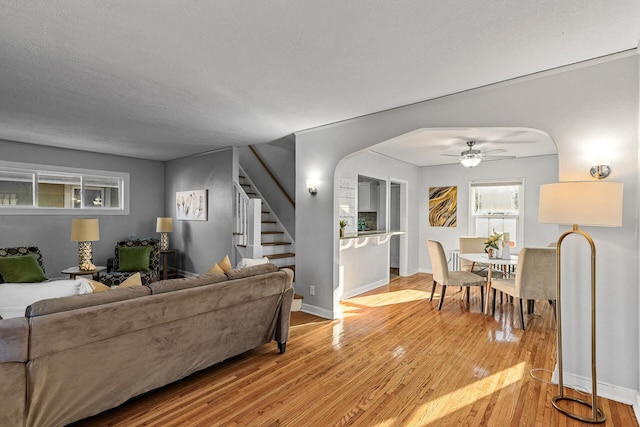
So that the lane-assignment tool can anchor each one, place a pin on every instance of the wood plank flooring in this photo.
(392, 360)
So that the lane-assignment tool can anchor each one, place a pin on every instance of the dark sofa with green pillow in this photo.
(134, 256)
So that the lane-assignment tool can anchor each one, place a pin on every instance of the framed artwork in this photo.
(443, 206)
(191, 205)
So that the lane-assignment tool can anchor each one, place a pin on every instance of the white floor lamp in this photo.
(592, 203)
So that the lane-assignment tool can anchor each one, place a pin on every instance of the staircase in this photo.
(277, 244)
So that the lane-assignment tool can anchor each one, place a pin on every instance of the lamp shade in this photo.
(593, 203)
(164, 225)
(85, 230)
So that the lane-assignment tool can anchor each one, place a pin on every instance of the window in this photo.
(38, 189)
(496, 206)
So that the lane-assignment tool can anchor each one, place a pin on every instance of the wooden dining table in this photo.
(483, 258)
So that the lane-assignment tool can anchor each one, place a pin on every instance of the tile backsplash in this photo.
(370, 220)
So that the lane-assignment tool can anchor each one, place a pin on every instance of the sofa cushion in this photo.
(170, 285)
(240, 273)
(133, 280)
(134, 258)
(57, 305)
(221, 266)
(21, 269)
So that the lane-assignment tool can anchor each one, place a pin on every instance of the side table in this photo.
(165, 263)
(75, 271)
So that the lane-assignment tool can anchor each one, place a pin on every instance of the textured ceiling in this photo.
(160, 79)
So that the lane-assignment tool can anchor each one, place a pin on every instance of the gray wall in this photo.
(52, 233)
(201, 243)
(583, 108)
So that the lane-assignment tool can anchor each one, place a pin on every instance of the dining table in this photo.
(483, 258)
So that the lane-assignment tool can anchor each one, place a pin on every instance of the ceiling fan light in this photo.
(470, 162)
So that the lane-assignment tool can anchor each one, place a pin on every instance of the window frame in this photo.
(35, 169)
(521, 208)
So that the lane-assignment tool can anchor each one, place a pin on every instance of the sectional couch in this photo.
(73, 357)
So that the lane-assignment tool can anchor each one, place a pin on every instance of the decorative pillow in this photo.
(21, 269)
(134, 280)
(221, 266)
(96, 286)
(15, 297)
(134, 258)
(250, 262)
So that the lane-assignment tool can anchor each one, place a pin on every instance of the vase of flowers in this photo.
(491, 245)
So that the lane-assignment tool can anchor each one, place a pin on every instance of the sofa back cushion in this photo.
(56, 305)
(171, 285)
(240, 273)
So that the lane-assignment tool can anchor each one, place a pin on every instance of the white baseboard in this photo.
(365, 288)
(636, 408)
(317, 311)
(608, 391)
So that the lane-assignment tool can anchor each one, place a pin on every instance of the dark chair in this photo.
(115, 277)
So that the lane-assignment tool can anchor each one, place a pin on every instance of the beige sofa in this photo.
(73, 357)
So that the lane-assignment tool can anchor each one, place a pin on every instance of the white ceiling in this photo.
(160, 79)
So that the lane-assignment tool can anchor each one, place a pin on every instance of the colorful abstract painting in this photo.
(443, 206)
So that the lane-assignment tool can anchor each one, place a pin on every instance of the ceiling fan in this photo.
(472, 157)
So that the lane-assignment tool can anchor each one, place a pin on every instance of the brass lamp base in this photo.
(164, 241)
(599, 416)
(85, 256)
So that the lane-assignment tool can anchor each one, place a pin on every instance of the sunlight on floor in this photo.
(433, 410)
(387, 298)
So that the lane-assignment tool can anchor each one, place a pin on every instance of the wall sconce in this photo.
(164, 225)
(600, 171)
(312, 186)
(84, 231)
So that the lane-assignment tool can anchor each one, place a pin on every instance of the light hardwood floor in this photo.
(393, 360)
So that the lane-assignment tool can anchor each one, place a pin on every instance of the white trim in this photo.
(34, 210)
(317, 311)
(608, 391)
(365, 288)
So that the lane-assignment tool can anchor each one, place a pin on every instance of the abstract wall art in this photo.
(191, 205)
(443, 206)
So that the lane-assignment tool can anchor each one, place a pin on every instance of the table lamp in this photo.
(592, 203)
(84, 231)
(164, 225)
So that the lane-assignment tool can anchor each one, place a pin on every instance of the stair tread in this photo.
(275, 243)
(272, 232)
(284, 255)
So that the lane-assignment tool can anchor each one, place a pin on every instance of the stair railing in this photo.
(247, 222)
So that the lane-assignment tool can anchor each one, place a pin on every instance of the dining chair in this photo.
(471, 245)
(535, 279)
(444, 277)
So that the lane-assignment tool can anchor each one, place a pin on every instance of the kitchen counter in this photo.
(370, 233)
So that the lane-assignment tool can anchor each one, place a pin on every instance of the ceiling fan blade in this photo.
(498, 157)
(450, 155)
(495, 150)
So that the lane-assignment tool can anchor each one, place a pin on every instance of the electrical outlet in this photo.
(312, 290)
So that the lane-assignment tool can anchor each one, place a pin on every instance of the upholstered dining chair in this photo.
(475, 245)
(535, 279)
(134, 256)
(444, 277)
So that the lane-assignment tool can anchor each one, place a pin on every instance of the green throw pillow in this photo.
(134, 258)
(21, 269)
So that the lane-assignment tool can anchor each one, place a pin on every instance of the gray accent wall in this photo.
(52, 233)
(199, 244)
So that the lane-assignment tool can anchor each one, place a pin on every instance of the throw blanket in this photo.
(16, 297)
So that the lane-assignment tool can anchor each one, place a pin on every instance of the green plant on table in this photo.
(492, 242)
(343, 223)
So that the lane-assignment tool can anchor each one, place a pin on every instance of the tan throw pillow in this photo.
(225, 264)
(134, 280)
(221, 266)
(97, 286)
(215, 268)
